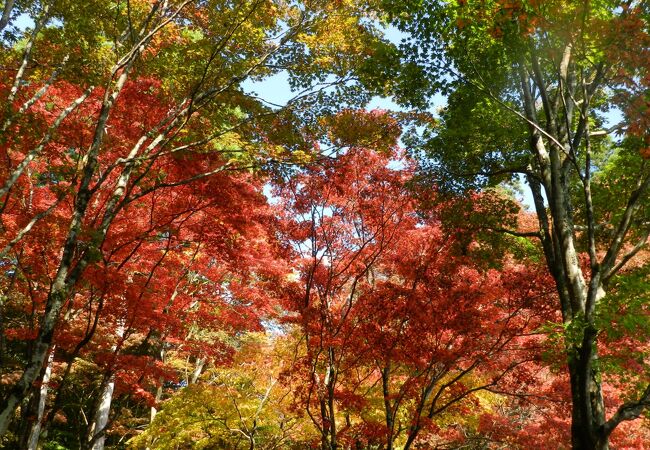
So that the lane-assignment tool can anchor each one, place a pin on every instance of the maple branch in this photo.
(27, 228)
(433, 410)
(521, 395)
(37, 95)
(486, 173)
(426, 392)
(128, 33)
(483, 387)
(567, 86)
(148, 155)
(223, 41)
(312, 383)
(149, 190)
(20, 168)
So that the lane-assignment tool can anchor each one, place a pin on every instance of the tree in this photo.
(243, 405)
(341, 214)
(442, 331)
(531, 84)
(153, 285)
(403, 325)
(109, 104)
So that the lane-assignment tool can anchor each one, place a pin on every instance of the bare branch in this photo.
(6, 13)
(628, 411)
(633, 204)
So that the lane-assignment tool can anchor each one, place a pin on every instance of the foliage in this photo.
(531, 87)
(240, 405)
(184, 265)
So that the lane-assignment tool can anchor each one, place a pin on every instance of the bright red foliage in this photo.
(179, 263)
(390, 304)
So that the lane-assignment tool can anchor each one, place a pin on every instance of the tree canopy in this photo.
(185, 264)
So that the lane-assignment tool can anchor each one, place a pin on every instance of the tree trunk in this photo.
(330, 382)
(588, 409)
(35, 432)
(197, 371)
(97, 429)
(97, 432)
(159, 392)
(389, 413)
(577, 297)
(35, 364)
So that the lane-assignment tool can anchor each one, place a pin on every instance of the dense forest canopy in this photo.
(185, 264)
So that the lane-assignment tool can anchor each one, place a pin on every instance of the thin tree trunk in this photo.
(97, 430)
(388, 410)
(98, 427)
(330, 382)
(159, 392)
(35, 433)
(197, 371)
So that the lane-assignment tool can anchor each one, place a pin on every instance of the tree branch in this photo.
(6, 13)
(609, 261)
(535, 234)
(628, 411)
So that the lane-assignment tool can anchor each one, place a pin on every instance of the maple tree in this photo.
(153, 281)
(342, 217)
(244, 404)
(116, 110)
(454, 333)
(397, 312)
(181, 257)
